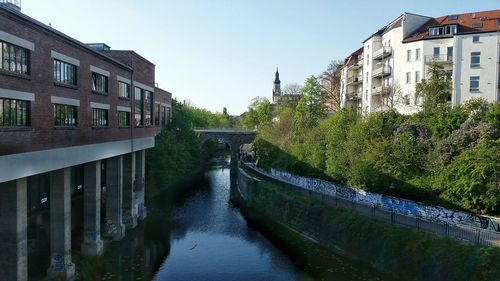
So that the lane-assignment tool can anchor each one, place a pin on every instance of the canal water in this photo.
(201, 236)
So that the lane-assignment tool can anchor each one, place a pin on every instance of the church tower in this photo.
(277, 87)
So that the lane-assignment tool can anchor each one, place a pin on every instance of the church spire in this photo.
(277, 77)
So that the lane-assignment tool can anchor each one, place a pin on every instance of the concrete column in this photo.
(129, 210)
(13, 231)
(92, 243)
(234, 162)
(60, 226)
(140, 185)
(114, 200)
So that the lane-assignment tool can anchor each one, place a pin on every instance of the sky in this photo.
(223, 53)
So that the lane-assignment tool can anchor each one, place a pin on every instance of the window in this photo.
(475, 59)
(167, 116)
(123, 90)
(453, 17)
(475, 39)
(449, 54)
(408, 55)
(163, 115)
(477, 25)
(474, 84)
(138, 107)
(367, 59)
(408, 77)
(436, 52)
(417, 76)
(123, 119)
(366, 77)
(157, 114)
(64, 115)
(148, 99)
(99, 117)
(64, 73)
(14, 113)
(417, 55)
(99, 83)
(14, 59)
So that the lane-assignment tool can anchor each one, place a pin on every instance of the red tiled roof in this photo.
(464, 23)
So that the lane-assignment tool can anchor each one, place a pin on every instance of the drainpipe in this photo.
(498, 63)
(132, 99)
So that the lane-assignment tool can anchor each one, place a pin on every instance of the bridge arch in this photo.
(235, 138)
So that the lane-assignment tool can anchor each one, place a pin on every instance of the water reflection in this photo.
(200, 235)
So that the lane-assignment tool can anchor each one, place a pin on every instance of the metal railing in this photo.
(381, 71)
(380, 90)
(438, 58)
(385, 52)
(16, 3)
(458, 232)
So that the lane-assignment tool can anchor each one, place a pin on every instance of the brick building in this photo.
(74, 118)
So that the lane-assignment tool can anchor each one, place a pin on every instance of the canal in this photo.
(201, 235)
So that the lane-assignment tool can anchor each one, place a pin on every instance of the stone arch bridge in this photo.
(235, 138)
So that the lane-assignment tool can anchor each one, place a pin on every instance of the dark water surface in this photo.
(201, 236)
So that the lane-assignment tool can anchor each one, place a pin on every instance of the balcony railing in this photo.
(380, 90)
(353, 95)
(380, 71)
(16, 3)
(360, 61)
(354, 80)
(385, 52)
(438, 58)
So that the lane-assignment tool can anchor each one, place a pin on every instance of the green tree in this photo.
(312, 105)
(260, 112)
(435, 90)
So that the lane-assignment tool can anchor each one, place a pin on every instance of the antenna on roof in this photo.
(16, 4)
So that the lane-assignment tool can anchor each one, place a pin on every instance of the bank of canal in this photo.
(202, 235)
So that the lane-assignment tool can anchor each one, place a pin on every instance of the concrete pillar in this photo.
(114, 200)
(61, 266)
(13, 231)
(92, 243)
(140, 184)
(234, 161)
(129, 210)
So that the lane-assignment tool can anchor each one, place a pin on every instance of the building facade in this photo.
(74, 118)
(397, 57)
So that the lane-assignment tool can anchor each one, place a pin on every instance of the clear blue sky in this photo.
(222, 53)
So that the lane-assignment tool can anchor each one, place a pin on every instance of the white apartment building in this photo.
(383, 73)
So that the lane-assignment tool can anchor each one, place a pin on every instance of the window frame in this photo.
(97, 85)
(15, 107)
(474, 79)
(63, 68)
(408, 55)
(475, 39)
(127, 89)
(473, 56)
(417, 76)
(126, 118)
(20, 59)
(62, 111)
(408, 77)
(100, 118)
(417, 54)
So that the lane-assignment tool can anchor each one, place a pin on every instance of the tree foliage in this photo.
(260, 112)
(436, 90)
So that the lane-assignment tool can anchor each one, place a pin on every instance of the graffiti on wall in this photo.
(398, 205)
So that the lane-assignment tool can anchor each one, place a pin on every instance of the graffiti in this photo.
(398, 205)
(57, 263)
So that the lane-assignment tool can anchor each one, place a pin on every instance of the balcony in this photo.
(354, 80)
(354, 66)
(438, 58)
(383, 52)
(380, 71)
(380, 90)
(353, 95)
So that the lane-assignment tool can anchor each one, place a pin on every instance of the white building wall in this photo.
(488, 71)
